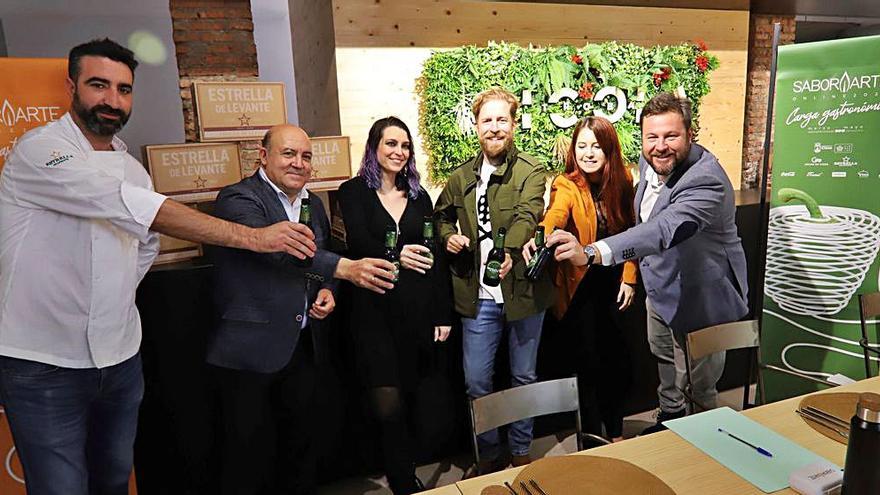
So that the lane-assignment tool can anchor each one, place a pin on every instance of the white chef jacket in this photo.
(74, 245)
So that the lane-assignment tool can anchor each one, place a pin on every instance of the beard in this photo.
(665, 169)
(94, 122)
(494, 150)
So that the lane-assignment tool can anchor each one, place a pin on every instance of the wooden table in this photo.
(686, 469)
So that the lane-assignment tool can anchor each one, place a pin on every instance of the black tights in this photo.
(387, 406)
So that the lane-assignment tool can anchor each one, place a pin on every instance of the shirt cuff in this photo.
(605, 252)
(143, 204)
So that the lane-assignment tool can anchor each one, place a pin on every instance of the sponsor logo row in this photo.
(862, 174)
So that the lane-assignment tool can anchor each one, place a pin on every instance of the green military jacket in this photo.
(516, 201)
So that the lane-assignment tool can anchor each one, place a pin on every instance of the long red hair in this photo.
(616, 188)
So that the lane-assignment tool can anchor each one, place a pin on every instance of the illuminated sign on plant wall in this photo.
(557, 86)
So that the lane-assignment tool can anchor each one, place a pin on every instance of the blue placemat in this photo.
(767, 473)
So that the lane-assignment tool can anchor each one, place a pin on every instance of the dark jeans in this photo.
(74, 429)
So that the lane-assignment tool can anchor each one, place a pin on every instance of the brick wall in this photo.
(214, 41)
(757, 86)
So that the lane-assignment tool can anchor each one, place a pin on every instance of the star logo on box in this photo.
(200, 182)
(57, 158)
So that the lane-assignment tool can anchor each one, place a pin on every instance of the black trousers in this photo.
(601, 353)
(268, 427)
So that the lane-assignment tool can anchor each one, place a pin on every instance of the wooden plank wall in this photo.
(381, 45)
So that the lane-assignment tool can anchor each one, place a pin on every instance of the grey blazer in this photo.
(260, 299)
(692, 261)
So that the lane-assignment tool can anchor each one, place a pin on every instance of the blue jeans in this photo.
(481, 338)
(73, 429)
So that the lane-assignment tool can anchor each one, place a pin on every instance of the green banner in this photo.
(824, 230)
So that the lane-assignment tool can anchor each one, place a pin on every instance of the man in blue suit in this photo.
(268, 309)
(692, 262)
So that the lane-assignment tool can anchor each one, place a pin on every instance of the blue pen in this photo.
(759, 449)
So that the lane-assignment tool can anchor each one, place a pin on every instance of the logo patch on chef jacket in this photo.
(56, 158)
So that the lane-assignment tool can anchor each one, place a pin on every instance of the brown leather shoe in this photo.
(520, 460)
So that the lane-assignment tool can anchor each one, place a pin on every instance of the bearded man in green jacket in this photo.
(499, 188)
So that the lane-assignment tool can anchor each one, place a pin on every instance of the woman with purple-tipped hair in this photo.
(396, 334)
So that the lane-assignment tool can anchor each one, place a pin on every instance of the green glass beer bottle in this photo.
(391, 253)
(305, 218)
(540, 258)
(428, 236)
(492, 274)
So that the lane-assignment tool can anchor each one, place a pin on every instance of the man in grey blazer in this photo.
(692, 262)
(269, 309)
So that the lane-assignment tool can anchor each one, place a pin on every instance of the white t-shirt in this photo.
(484, 231)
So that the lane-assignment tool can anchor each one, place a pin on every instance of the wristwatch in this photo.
(590, 251)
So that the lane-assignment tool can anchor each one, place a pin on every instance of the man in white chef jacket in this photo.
(77, 215)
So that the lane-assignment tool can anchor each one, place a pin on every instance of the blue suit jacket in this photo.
(692, 261)
(260, 299)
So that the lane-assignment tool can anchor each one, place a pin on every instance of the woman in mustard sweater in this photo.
(593, 199)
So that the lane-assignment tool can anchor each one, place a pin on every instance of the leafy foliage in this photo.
(451, 79)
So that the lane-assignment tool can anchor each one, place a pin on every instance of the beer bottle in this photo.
(391, 252)
(428, 236)
(492, 274)
(305, 218)
(540, 258)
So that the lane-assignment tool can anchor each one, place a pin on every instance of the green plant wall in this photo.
(452, 78)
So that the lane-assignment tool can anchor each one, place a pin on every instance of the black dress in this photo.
(394, 332)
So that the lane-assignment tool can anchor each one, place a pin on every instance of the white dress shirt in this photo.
(74, 245)
(652, 191)
(292, 209)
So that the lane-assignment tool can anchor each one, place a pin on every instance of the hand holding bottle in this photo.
(528, 250)
(505, 266)
(414, 257)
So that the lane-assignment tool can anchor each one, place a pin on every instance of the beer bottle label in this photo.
(396, 272)
(493, 269)
(533, 260)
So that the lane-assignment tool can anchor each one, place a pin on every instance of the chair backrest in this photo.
(526, 401)
(869, 308)
(869, 305)
(724, 337)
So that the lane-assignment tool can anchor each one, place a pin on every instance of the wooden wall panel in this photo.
(381, 45)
